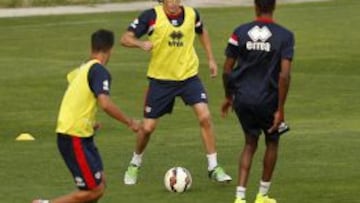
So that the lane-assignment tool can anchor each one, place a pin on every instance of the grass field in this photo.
(319, 158)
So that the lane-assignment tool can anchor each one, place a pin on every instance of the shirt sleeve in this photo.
(99, 80)
(288, 47)
(198, 23)
(232, 50)
(143, 24)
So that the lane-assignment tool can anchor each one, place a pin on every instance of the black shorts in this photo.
(256, 118)
(83, 160)
(160, 98)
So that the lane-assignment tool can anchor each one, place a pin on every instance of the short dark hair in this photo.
(102, 40)
(265, 6)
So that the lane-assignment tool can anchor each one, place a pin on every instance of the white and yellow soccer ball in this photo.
(177, 179)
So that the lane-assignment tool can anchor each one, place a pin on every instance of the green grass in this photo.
(319, 158)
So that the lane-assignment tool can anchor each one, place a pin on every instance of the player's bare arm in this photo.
(227, 103)
(112, 110)
(205, 41)
(284, 83)
(128, 39)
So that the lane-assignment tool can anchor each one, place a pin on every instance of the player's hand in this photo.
(278, 119)
(213, 68)
(134, 125)
(146, 46)
(225, 106)
(97, 126)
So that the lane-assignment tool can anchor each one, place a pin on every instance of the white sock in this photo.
(136, 159)
(240, 192)
(212, 161)
(264, 187)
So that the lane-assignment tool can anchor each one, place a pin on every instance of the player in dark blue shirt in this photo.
(256, 80)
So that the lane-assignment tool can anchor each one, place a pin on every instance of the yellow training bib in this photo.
(173, 56)
(79, 105)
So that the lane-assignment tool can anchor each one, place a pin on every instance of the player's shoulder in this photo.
(97, 66)
(148, 13)
(191, 9)
(186, 8)
(244, 27)
(98, 69)
(283, 30)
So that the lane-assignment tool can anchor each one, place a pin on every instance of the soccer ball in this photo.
(177, 179)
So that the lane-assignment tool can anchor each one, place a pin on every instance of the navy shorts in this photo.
(160, 98)
(83, 160)
(256, 118)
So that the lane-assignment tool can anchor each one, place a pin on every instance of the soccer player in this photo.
(256, 79)
(89, 85)
(172, 72)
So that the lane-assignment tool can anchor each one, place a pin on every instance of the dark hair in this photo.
(265, 6)
(102, 40)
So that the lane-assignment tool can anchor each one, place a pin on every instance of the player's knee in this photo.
(97, 193)
(251, 145)
(205, 120)
(272, 143)
(100, 190)
(148, 129)
(93, 194)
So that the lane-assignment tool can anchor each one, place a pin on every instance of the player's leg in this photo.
(193, 93)
(271, 153)
(143, 136)
(147, 128)
(269, 162)
(270, 158)
(159, 100)
(216, 172)
(246, 158)
(84, 162)
(245, 162)
(206, 127)
(82, 195)
(252, 130)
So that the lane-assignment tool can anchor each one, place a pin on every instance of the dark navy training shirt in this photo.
(258, 47)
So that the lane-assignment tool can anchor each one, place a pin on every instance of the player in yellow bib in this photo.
(89, 86)
(172, 72)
